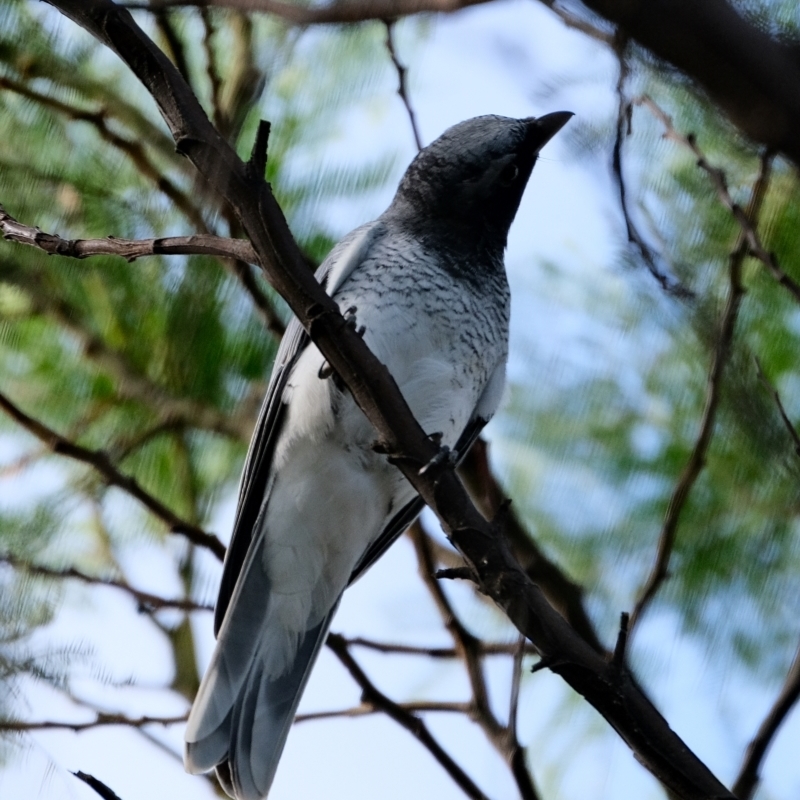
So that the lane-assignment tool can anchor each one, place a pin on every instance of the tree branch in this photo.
(144, 599)
(611, 691)
(748, 777)
(402, 88)
(100, 461)
(101, 720)
(624, 109)
(753, 77)
(365, 709)
(697, 459)
(412, 723)
(486, 648)
(99, 787)
(333, 13)
(203, 244)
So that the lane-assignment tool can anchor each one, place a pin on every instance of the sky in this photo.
(516, 59)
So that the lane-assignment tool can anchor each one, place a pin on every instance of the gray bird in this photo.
(317, 505)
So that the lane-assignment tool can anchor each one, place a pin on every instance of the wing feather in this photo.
(253, 489)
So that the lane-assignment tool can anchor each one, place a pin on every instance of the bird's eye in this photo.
(509, 174)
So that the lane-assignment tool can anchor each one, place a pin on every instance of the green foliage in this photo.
(160, 363)
(604, 445)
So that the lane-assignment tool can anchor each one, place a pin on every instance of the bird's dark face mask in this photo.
(470, 181)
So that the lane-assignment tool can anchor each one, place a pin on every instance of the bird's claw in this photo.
(444, 456)
(327, 371)
(351, 321)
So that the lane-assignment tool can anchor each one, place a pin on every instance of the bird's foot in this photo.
(326, 370)
(445, 456)
(351, 321)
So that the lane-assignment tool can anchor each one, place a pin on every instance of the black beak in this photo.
(542, 129)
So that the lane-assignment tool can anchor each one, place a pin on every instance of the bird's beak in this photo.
(542, 129)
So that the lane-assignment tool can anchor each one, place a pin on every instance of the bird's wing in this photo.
(339, 264)
(411, 510)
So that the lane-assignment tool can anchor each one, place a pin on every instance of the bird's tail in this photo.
(239, 726)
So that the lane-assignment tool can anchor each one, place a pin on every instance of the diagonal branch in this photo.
(412, 723)
(106, 792)
(610, 689)
(402, 88)
(697, 459)
(144, 599)
(578, 23)
(100, 462)
(748, 777)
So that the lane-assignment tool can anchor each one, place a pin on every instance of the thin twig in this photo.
(101, 720)
(624, 110)
(365, 709)
(238, 254)
(200, 244)
(100, 461)
(467, 646)
(781, 410)
(402, 87)
(579, 24)
(720, 184)
(748, 777)
(411, 722)
(129, 249)
(145, 599)
(516, 681)
(486, 648)
(697, 459)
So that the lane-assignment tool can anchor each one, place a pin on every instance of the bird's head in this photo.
(471, 179)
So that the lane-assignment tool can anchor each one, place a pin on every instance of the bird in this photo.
(426, 287)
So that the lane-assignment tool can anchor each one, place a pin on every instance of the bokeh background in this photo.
(162, 364)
